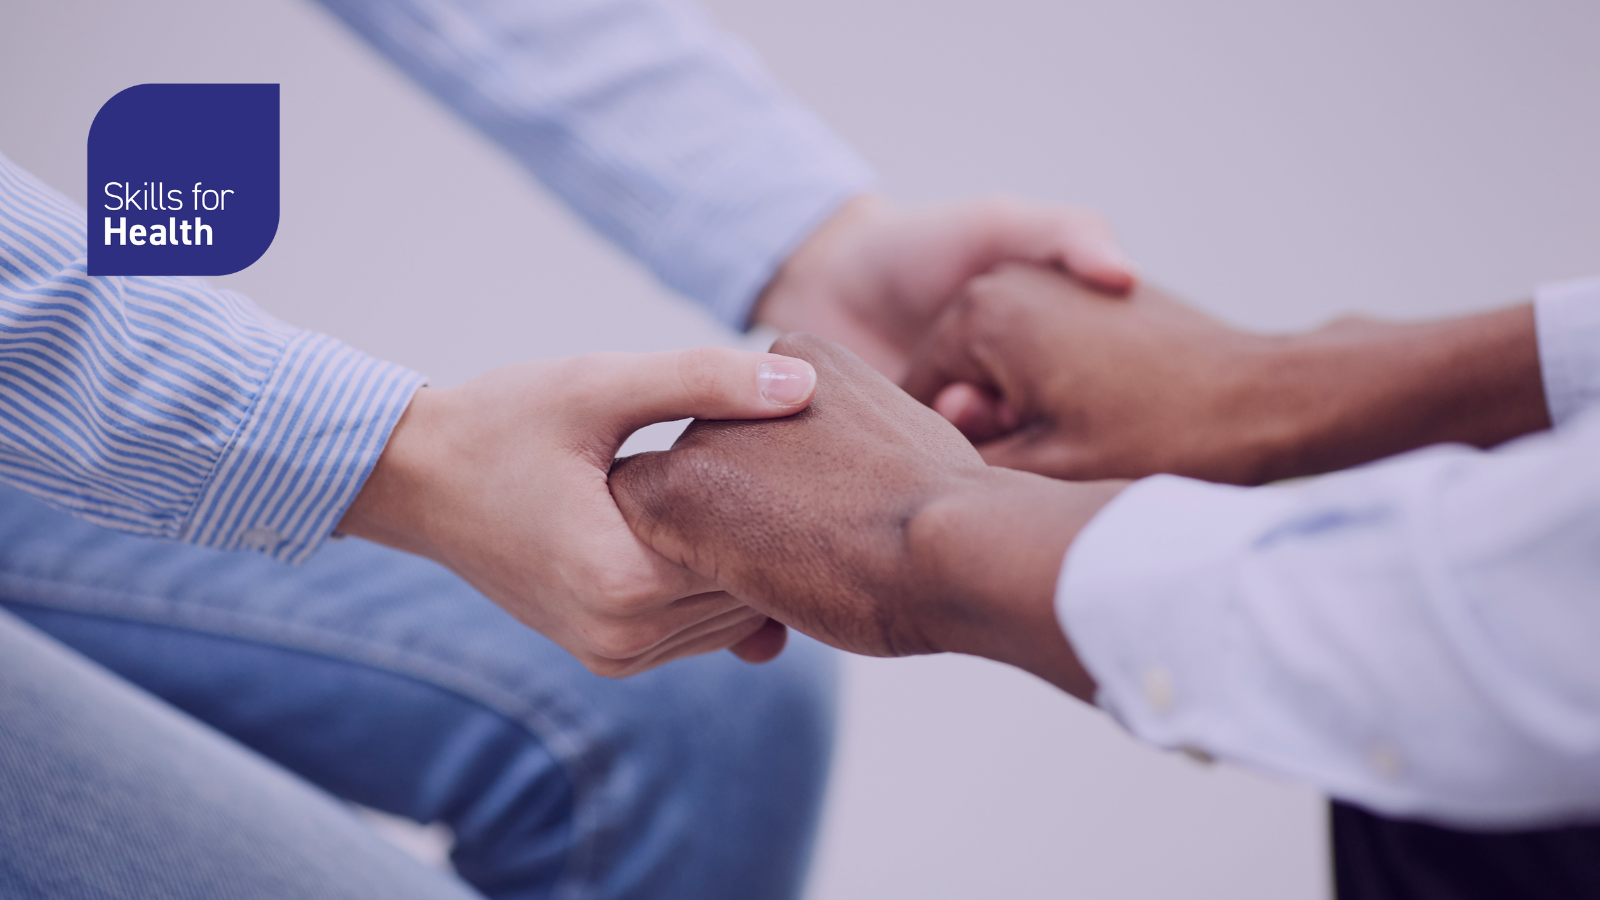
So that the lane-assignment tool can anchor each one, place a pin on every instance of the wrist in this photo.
(394, 504)
(990, 549)
(795, 286)
(1246, 419)
(835, 285)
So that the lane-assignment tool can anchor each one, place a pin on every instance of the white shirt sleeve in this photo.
(1568, 317)
(1420, 636)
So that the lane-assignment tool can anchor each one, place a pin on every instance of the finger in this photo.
(636, 627)
(1076, 240)
(689, 616)
(723, 639)
(641, 487)
(696, 608)
(764, 645)
(959, 402)
(999, 336)
(630, 391)
(724, 632)
(977, 414)
(944, 357)
(1086, 247)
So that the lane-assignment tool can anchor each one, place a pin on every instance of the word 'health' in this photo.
(159, 235)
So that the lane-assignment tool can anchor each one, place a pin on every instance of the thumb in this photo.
(635, 390)
(1083, 244)
(1078, 241)
(944, 357)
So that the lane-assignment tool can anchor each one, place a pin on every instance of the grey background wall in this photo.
(1278, 162)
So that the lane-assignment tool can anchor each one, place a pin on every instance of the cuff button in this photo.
(1158, 690)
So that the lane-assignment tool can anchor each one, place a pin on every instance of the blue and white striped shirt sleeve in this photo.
(163, 407)
(660, 129)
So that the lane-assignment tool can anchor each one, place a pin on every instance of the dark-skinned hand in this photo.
(1046, 374)
(866, 521)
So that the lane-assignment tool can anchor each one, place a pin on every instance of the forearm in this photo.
(654, 125)
(1360, 390)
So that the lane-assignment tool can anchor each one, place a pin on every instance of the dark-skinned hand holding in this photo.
(868, 522)
(1047, 374)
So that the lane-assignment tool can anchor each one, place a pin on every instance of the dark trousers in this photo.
(1375, 858)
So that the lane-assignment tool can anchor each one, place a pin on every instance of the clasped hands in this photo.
(813, 491)
(868, 521)
(888, 527)
(504, 478)
(892, 522)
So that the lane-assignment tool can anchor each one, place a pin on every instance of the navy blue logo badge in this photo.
(183, 179)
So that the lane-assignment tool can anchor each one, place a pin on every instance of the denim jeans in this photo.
(382, 679)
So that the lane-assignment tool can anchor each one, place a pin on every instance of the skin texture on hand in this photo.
(875, 277)
(1048, 375)
(867, 521)
(503, 480)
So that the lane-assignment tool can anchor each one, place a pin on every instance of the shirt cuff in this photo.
(301, 456)
(1568, 320)
(1144, 598)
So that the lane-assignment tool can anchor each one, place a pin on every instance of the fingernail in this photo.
(786, 382)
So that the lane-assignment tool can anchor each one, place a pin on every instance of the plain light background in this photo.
(1280, 163)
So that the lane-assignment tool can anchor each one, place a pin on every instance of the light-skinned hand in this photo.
(875, 276)
(503, 480)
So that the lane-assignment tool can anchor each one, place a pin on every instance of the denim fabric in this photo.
(107, 793)
(383, 679)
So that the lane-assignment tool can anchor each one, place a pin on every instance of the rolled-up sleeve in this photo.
(161, 406)
(661, 130)
(1417, 636)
